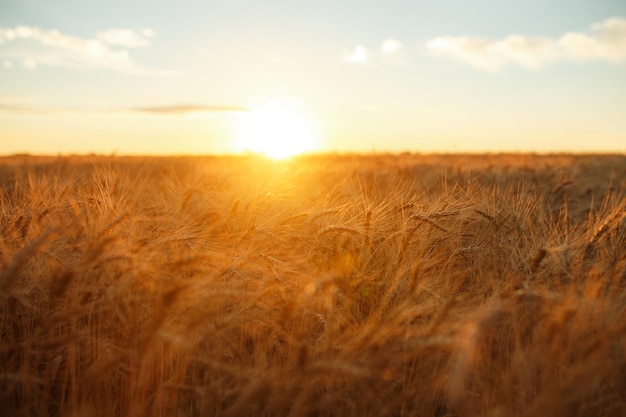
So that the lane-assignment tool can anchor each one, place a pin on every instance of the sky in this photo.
(228, 76)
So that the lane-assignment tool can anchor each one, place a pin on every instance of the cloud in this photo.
(358, 55)
(391, 46)
(34, 47)
(19, 108)
(126, 37)
(185, 109)
(604, 41)
(390, 51)
(24, 106)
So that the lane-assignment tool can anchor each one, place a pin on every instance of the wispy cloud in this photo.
(391, 46)
(185, 109)
(390, 51)
(358, 55)
(126, 37)
(604, 41)
(25, 107)
(33, 47)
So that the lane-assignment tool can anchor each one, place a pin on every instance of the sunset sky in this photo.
(162, 77)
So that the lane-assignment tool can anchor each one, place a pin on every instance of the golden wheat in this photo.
(327, 285)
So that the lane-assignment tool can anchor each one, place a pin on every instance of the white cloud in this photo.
(358, 55)
(604, 41)
(607, 41)
(391, 51)
(147, 32)
(391, 46)
(126, 37)
(35, 47)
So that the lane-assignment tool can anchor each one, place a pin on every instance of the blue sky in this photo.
(175, 77)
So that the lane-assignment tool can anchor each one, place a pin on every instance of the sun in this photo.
(276, 132)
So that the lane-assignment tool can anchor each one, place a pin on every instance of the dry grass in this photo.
(326, 286)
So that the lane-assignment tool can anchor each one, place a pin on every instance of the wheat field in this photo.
(329, 285)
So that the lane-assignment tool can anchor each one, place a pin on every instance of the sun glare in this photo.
(276, 132)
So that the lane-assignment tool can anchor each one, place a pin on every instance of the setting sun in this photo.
(276, 132)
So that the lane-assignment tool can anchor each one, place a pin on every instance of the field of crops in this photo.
(331, 285)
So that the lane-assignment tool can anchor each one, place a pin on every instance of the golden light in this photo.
(276, 132)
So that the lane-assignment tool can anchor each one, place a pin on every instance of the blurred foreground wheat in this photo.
(329, 285)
